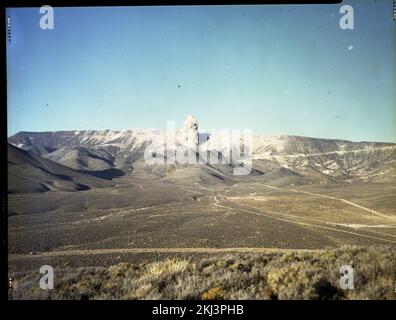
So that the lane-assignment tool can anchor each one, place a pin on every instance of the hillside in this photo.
(31, 173)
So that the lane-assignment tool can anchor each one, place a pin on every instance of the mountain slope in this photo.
(80, 158)
(28, 173)
(307, 160)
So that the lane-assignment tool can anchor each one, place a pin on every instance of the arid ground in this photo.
(127, 224)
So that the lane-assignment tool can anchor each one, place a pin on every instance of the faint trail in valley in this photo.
(76, 252)
(335, 198)
(318, 221)
(270, 215)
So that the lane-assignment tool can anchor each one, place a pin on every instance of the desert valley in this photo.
(88, 198)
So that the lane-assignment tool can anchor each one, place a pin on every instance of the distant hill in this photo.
(282, 159)
(28, 172)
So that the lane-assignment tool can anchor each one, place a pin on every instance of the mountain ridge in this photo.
(287, 159)
(28, 172)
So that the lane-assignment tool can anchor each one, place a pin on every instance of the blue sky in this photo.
(272, 69)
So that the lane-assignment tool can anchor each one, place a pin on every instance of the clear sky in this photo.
(272, 69)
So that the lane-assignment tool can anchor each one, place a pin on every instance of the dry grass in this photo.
(167, 266)
(307, 275)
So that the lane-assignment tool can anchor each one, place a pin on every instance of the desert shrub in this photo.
(213, 294)
(296, 281)
(168, 266)
(292, 275)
